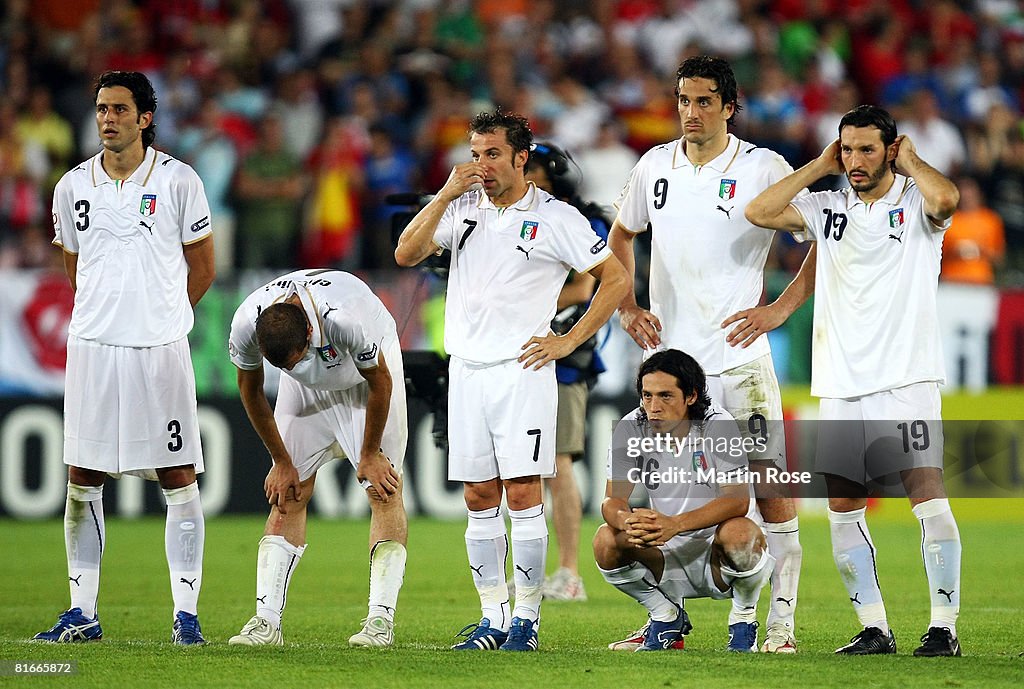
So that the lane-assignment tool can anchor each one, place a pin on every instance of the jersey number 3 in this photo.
(82, 224)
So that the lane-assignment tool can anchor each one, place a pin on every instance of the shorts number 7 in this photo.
(536, 443)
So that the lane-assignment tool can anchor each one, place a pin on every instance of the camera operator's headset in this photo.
(559, 168)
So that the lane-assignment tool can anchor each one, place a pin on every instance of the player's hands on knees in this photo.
(752, 324)
(642, 325)
(461, 180)
(541, 350)
(282, 478)
(377, 470)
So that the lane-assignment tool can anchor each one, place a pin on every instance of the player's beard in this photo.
(874, 178)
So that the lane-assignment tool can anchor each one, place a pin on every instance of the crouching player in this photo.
(696, 540)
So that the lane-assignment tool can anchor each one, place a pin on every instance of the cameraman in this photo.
(555, 172)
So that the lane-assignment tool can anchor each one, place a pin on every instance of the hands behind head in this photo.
(905, 153)
(831, 160)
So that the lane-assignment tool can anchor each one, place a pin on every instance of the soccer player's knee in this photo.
(742, 543)
(604, 541)
(171, 478)
(378, 504)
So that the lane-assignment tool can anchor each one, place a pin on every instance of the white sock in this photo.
(940, 548)
(84, 539)
(276, 561)
(637, 582)
(746, 587)
(387, 571)
(529, 552)
(784, 545)
(487, 548)
(184, 537)
(854, 555)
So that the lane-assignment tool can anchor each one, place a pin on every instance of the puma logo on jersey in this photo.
(329, 309)
(726, 211)
(899, 238)
(190, 583)
(148, 227)
(525, 251)
(526, 572)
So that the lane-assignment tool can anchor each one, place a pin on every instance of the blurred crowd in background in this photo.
(301, 116)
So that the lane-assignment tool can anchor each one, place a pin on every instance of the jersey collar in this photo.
(140, 176)
(722, 162)
(893, 197)
(523, 204)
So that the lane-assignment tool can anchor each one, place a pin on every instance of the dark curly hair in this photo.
(142, 92)
(517, 128)
(871, 116)
(717, 70)
(689, 377)
(281, 331)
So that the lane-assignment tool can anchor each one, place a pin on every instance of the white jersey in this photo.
(875, 318)
(507, 268)
(132, 278)
(349, 326)
(683, 477)
(707, 261)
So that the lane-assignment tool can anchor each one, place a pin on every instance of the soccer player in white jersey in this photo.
(877, 359)
(512, 246)
(342, 394)
(707, 273)
(135, 228)
(696, 539)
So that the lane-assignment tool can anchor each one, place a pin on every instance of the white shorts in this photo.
(750, 393)
(501, 421)
(130, 409)
(688, 569)
(867, 438)
(319, 426)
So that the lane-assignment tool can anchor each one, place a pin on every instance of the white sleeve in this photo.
(623, 454)
(727, 452)
(242, 347)
(632, 202)
(576, 243)
(810, 207)
(354, 338)
(444, 233)
(193, 208)
(64, 234)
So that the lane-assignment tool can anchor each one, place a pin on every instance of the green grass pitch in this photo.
(328, 598)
